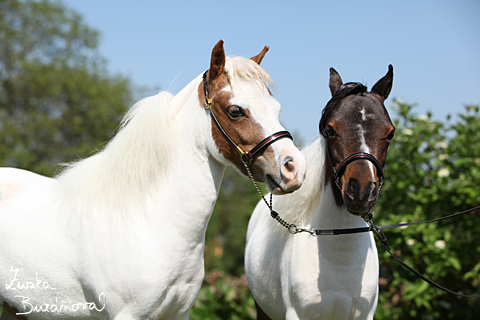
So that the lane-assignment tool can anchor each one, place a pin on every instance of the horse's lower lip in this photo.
(273, 185)
(359, 211)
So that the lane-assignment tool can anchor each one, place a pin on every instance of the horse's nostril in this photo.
(373, 191)
(353, 188)
(289, 164)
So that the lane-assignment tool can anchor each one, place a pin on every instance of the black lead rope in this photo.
(378, 232)
(380, 236)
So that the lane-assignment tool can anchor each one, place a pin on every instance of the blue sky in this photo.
(434, 47)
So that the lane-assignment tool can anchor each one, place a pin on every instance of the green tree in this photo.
(433, 169)
(57, 100)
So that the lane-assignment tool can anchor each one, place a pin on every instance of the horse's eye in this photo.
(391, 135)
(330, 132)
(235, 112)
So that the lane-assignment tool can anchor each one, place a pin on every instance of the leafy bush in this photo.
(433, 169)
(224, 297)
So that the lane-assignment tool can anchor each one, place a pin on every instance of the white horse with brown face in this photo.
(331, 277)
(121, 234)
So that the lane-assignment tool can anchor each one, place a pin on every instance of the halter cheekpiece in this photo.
(246, 156)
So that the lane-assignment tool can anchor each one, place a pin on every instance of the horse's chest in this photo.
(336, 284)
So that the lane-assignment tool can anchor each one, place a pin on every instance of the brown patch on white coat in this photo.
(239, 124)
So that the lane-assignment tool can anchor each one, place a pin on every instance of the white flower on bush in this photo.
(422, 117)
(411, 242)
(440, 244)
(443, 173)
(442, 144)
(407, 132)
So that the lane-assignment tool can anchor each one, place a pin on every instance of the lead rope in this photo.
(292, 228)
(377, 231)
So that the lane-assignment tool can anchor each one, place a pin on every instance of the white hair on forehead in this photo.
(247, 70)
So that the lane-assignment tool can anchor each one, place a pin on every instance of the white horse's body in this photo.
(120, 235)
(304, 277)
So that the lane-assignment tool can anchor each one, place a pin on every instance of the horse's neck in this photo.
(160, 175)
(196, 176)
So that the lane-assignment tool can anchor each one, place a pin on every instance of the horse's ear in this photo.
(384, 85)
(335, 81)
(259, 57)
(217, 62)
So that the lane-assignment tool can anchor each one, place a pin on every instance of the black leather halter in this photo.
(246, 156)
(337, 173)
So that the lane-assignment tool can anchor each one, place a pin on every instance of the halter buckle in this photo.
(244, 155)
(208, 103)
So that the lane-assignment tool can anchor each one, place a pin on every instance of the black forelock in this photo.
(345, 90)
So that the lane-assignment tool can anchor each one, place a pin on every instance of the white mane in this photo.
(142, 152)
(307, 198)
(131, 162)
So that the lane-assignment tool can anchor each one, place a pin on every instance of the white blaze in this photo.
(363, 144)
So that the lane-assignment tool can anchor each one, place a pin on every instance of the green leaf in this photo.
(454, 262)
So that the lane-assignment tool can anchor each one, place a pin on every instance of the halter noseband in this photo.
(337, 173)
(246, 156)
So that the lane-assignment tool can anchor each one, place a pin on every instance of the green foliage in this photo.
(57, 101)
(224, 297)
(433, 169)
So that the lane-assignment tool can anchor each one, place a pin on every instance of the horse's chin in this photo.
(360, 209)
(279, 191)
(358, 213)
(273, 186)
(279, 188)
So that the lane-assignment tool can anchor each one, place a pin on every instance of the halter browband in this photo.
(246, 156)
